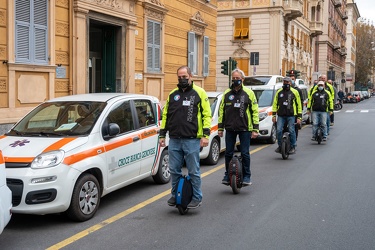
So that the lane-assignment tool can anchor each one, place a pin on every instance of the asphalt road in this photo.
(320, 198)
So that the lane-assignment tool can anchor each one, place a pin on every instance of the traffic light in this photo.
(293, 72)
(224, 67)
(234, 64)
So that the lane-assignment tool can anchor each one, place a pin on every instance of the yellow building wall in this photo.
(176, 27)
(62, 42)
(3, 56)
(16, 99)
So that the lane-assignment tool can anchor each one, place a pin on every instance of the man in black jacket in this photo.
(187, 119)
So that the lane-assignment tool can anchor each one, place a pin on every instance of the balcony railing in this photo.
(316, 28)
(292, 9)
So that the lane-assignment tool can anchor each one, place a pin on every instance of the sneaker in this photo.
(194, 204)
(246, 182)
(172, 201)
(324, 138)
(278, 150)
(292, 151)
(313, 138)
(332, 124)
(225, 180)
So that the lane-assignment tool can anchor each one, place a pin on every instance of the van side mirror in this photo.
(113, 130)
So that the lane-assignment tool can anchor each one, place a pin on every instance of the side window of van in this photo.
(145, 113)
(121, 115)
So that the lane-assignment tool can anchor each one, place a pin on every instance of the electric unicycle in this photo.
(319, 134)
(184, 194)
(235, 173)
(285, 145)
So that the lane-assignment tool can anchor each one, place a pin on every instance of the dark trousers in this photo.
(230, 141)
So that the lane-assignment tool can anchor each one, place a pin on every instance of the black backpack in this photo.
(184, 191)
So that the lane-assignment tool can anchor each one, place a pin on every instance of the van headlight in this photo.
(262, 116)
(48, 160)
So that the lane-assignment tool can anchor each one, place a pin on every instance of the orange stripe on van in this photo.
(263, 109)
(2, 136)
(83, 155)
(214, 128)
(118, 144)
(96, 151)
(1, 158)
(59, 144)
(148, 133)
(19, 159)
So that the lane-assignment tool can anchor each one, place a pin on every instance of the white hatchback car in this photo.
(263, 80)
(5, 197)
(216, 145)
(69, 152)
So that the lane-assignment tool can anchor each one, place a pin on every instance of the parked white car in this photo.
(263, 80)
(5, 197)
(265, 95)
(211, 153)
(69, 152)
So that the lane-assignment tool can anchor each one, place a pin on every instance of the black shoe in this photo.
(324, 138)
(278, 150)
(172, 201)
(225, 180)
(292, 151)
(194, 204)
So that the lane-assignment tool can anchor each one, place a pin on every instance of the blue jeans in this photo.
(328, 122)
(290, 120)
(230, 142)
(188, 150)
(317, 118)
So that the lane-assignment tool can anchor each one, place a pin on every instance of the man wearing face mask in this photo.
(238, 115)
(287, 106)
(294, 85)
(187, 118)
(320, 103)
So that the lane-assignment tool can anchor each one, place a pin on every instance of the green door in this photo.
(109, 60)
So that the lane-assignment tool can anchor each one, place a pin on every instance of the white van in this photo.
(265, 95)
(5, 197)
(69, 152)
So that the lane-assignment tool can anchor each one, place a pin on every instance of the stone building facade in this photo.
(307, 35)
(52, 48)
(280, 36)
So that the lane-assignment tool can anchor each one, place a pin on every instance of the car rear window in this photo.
(254, 80)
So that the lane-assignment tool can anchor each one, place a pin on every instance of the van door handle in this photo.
(135, 138)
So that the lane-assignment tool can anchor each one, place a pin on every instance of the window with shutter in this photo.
(241, 28)
(206, 60)
(192, 56)
(31, 31)
(153, 46)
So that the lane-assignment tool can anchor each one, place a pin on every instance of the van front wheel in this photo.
(85, 198)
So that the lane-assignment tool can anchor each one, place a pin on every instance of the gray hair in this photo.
(240, 72)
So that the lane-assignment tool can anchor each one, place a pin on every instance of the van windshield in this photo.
(59, 119)
(264, 97)
(256, 80)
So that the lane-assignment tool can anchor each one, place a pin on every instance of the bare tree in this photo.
(365, 53)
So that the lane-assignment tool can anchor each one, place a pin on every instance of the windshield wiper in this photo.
(46, 134)
(15, 132)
